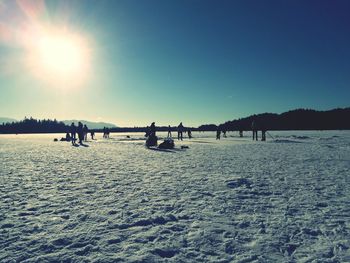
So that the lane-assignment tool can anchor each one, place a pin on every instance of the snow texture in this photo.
(233, 200)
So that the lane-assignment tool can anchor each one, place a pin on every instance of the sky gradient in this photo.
(193, 61)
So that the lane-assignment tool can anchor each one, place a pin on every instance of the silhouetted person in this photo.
(218, 133)
(255, 131)
(85, 131)
(68, 138)
(105, 132)
(241, 133)
(169, 132)
(152, 139)
(92, 135)
(147, 131)
(80, 131)
(263, 133)
(189, 134)
(152, 129)
(224, 133)
(180, 130)
(73, 131)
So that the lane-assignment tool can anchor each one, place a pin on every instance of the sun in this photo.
(59, 57)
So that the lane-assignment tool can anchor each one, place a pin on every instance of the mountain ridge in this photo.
(91, 124)
(7, 120)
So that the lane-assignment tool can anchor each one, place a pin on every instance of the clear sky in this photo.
(132, 62)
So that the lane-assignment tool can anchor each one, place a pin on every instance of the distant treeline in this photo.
(34, 126)
(31, 125)
(300, 119)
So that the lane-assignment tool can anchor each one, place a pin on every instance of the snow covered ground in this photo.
(233, 200)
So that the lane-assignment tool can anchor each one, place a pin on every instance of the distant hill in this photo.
(90, 124)
(6, 120)
(299, 119)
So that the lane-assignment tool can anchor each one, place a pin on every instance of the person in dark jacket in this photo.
(80, 131)
(152, 138)
(85, 131)
(255, 131)
(180, 130)
(189, 132)
(263, 133)
(218, 133)
(169, 132)
(73, 131)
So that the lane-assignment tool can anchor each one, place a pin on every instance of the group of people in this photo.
(81, 130)
(168, 142)
(181, 130)
(106, 133)
(151, 131)
(255, 129)
(218, 133)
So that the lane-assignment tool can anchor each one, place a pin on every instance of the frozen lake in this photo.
(233, 200)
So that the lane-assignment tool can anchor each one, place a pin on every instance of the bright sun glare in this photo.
(56, 54)
(59, 57)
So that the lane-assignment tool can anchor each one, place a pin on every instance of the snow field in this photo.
(233, 200)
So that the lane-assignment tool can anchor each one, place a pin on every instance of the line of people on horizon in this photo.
(254, 127)
(151, 131)
(82, 132)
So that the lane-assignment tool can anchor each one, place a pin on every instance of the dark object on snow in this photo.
(55, 140)
(167, 144)
(66, 139)
(127, 136)
(184, 147)
(238, 182)
(152, 140)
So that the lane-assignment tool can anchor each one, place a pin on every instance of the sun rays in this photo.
(54, 53)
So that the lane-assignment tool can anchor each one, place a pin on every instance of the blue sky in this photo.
(191, 61)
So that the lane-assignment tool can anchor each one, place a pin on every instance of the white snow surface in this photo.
(233, 200)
